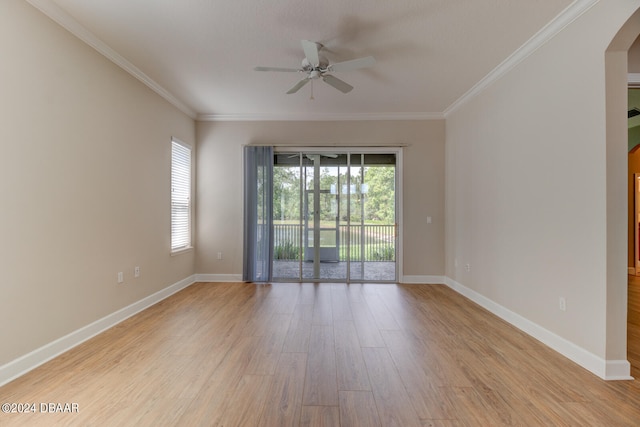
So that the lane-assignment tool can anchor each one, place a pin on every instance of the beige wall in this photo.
(527, 197)
(85, 184)
(219, 196)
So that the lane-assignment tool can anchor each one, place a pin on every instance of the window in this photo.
(180, 196)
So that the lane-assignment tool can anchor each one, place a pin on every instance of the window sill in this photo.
(182, 251)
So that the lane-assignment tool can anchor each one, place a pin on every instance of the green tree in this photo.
(286, 193)
(380, 198)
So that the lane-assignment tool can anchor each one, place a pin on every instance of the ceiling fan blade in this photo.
(337, 83)
(311, 52)
(298, 86)
(353, 64)
(287, 70)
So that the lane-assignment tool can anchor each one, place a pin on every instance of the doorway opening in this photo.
(617, 73)
(335, 215)
(633, 285)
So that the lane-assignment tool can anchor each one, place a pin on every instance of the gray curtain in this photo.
(258, 221)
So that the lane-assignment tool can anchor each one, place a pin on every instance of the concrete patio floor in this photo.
(378, 271)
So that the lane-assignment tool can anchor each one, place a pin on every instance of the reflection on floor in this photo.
(379, 271)
(633, 325)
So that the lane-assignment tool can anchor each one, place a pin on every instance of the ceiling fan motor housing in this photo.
(322, 66)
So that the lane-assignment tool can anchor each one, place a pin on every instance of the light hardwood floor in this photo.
(319, 355)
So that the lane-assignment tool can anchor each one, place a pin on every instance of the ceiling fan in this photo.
(316, 66)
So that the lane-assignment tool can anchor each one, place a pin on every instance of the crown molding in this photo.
(317, 117)
(572, 12)
(566, 17)
(62, 18)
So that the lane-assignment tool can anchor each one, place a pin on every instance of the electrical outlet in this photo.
(467, 267)
(219, 255)
(563, 304)
(136, 272)
(120, 277)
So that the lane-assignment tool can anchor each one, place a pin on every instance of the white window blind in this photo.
(180, 196)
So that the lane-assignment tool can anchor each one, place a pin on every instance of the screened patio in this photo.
(371, 249)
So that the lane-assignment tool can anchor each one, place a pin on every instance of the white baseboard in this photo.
(232, 278)
(32, 360)
(618, 370)
(431, 280)
(605, 369)
(219, 278)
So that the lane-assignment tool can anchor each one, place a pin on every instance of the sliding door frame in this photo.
(398, 151)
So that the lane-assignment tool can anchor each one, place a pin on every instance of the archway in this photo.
(616, 76)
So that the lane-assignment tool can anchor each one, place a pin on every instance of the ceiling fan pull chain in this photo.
(312, 98)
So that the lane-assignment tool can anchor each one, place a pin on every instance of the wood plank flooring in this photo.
(232, 354)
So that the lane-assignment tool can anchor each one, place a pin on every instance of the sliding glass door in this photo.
(334, 216)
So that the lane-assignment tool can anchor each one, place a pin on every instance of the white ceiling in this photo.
(200, 54)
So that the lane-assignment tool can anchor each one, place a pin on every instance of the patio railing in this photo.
(374, 242)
